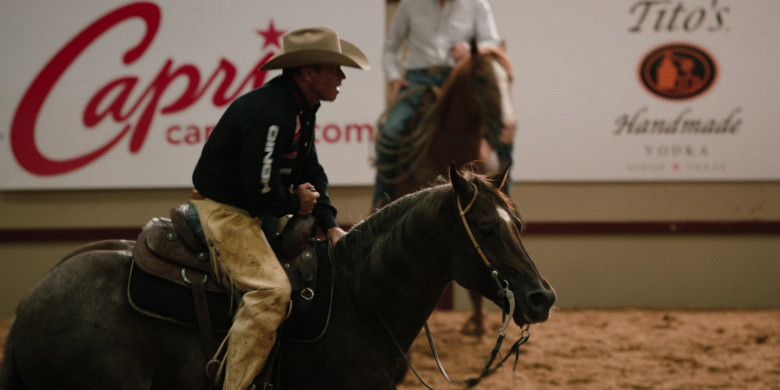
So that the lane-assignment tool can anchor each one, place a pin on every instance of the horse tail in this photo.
(9, 376)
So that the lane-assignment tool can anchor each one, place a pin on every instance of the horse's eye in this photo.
(487, 229)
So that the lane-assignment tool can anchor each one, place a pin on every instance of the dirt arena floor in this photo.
(611, 349)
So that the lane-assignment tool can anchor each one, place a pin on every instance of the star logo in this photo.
(271, 35)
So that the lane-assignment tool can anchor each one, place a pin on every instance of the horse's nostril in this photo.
(541, 300)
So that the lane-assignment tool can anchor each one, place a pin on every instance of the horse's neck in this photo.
(460, 110)
(455, 125)
(398, 273)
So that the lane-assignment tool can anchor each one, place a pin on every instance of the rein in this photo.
(507, 314)
(416, 140)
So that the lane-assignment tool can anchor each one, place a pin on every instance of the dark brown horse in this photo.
(76, 329)
(471, 120)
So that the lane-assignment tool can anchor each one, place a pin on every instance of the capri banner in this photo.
(108, 94)
(123, 94)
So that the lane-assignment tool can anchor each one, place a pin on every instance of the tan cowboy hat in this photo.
(316, 46)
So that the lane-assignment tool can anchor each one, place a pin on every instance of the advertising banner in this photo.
(644, 90)
(124, 94)
(106, 94)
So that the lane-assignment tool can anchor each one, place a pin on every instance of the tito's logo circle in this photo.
(678, 71)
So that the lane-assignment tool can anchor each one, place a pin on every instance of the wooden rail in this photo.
(532, 228)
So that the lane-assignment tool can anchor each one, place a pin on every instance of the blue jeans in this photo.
(396, 126)
(194, 221)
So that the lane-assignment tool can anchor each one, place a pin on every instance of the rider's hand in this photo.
(335, 233)
(395, 86)
(308, 196)
(460, 51)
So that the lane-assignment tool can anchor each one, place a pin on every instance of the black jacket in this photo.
(254, 157)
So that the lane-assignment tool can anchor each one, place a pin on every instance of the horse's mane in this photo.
(461, 74)
(383, 228)
(383, 224)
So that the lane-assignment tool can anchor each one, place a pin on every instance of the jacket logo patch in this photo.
(265, 174)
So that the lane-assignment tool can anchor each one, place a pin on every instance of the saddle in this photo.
(171, 278)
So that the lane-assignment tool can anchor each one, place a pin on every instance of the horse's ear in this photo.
(499, 178)
(474, 47)
(459, 183)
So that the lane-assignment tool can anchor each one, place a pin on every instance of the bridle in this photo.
(508, 310)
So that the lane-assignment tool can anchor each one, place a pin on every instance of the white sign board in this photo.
(123, 94)
(639, 90)
(104, 95)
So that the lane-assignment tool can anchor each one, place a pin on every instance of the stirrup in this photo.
(289, 311)
(214, 373)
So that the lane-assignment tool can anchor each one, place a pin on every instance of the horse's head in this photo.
(491, 74)
(472, 118)
(491, 228)
(475, 115)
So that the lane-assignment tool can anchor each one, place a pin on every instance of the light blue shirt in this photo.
(431, 30)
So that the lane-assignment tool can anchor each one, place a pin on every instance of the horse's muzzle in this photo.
(536, 304)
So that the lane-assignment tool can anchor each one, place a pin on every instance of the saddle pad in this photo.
(159, 298)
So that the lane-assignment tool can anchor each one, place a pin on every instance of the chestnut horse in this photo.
(470, 120)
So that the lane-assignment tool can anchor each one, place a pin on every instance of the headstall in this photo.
(507, 313)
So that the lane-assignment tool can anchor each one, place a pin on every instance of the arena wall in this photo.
(587, 239)
(602, 245)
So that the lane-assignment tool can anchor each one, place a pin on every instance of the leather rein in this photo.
(508, 310)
